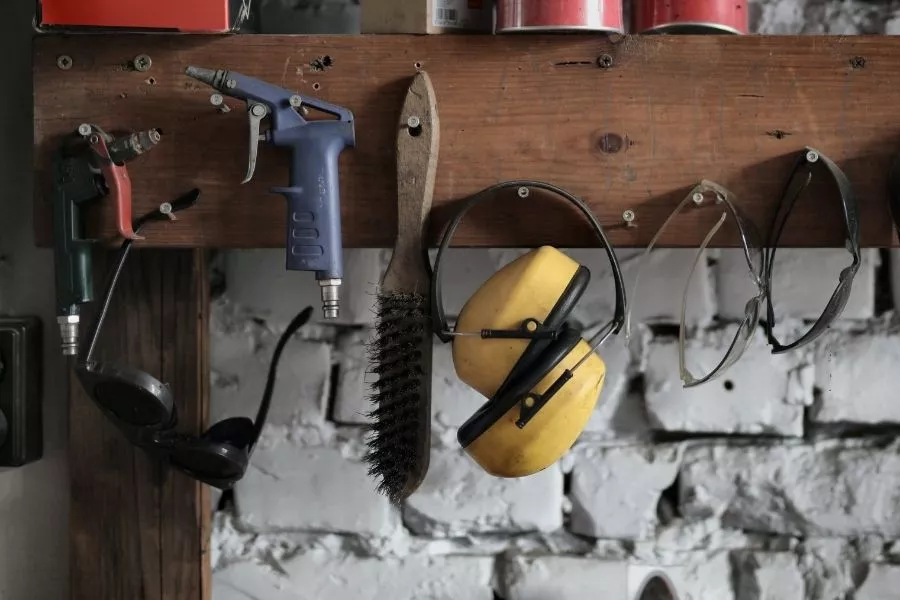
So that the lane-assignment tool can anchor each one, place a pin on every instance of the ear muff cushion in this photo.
(237, 431)
(505, 450)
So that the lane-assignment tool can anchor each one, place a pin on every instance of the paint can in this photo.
(690, 16)
(560, 15)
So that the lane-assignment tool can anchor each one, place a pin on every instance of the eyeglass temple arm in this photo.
(687, 286)
(89, 343)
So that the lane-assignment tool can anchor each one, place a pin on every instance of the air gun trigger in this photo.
(256, 112)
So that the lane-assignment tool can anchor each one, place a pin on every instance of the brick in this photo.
(318, 574)
(258, 281)
(655, 302)
(881, 583)
(293, 488)
(802, 282)
(855, 376)
(351, 404)
(239, 378)
(738, 401)
(767, 576)
(457, 497)
(615, 490)
(564, 578)
(828, 488)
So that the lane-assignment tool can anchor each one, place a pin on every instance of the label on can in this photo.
(461, 14)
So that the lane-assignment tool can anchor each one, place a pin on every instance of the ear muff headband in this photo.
(555, 339)
(441, 328)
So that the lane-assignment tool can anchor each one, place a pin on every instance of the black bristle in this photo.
(398, 396)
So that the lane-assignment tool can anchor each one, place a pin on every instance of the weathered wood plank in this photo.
(637, 135)
(139, 530)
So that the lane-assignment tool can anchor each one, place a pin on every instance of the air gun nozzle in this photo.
(207, 76)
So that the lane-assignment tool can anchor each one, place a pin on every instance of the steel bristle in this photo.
(397, 415)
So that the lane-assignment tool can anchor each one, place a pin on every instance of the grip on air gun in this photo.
(314, 209)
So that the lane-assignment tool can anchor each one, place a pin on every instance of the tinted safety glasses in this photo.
(810, 164)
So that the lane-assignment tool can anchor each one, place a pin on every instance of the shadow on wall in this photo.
(34, 498)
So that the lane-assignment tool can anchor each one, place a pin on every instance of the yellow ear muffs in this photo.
(512, 344)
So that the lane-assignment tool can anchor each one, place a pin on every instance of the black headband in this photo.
(439, 318)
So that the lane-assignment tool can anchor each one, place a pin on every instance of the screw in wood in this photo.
(812, 156)
(64, 62)
(628, 217)
(697, 198)
(218, 101)
(84, 129)
(141, 63)
(605, 61)
(523, 192)
(296, 101)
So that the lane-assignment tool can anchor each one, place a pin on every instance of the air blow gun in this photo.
(313, 194)
(89, 165)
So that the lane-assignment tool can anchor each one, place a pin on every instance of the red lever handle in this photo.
(119, 184)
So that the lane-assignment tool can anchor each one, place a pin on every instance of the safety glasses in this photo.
(708, 195)
(808, 164)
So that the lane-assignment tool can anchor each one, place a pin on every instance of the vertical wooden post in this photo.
(138, 529)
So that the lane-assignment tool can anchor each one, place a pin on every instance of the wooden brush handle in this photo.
(418, 138)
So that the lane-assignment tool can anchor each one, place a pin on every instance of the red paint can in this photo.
(690, 16)
(560, 15)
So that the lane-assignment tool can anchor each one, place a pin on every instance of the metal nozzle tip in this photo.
(205, 75)
(331, 297)
(68, 331)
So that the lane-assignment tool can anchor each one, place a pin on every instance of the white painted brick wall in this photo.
(321, 575)
(858, 379)
(829, 488)
(803, 280)
(564, 578)
(739, 401)
(882, 582)
(458, 498)
(768, 576)
(615, 490)
(352, 399)
(289, 487)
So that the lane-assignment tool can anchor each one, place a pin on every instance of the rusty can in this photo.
(560, 15)
(690, 16)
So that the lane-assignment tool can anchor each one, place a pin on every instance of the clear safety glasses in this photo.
(708, 195)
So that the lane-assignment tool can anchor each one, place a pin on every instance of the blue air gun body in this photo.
(313, 238)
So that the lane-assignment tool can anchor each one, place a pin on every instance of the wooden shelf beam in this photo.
(636, 135)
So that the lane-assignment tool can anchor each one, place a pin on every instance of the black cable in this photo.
(263, 412)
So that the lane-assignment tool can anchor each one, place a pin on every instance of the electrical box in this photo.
(21, 424)
(193, 16)
(427, 16)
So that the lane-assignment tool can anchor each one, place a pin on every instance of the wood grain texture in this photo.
(418, 145)
(139, 530)
(667, 112)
